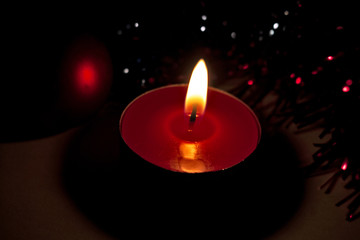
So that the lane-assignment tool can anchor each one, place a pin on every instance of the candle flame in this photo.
(197, 90)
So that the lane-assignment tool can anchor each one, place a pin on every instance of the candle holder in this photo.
(160, 129)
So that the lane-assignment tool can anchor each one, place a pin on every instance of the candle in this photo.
(212, 131)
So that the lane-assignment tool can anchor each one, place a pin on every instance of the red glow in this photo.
(339, 28)
(246, 66)
(346, 89)
(298, 80)
(151, 80)
(292, 75)
(314, 72)
(86, 76)
(349, 82)
(250, 82)
(330, 58)
(344, 164)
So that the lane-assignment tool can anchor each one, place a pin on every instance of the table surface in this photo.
(35, 204)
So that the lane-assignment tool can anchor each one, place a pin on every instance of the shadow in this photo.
(123, 194)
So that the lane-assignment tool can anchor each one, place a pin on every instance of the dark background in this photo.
(114, 189)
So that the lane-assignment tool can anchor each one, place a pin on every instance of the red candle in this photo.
(212, 131)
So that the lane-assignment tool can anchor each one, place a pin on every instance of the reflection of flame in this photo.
(197, 89)
(188, 150)
(189, 158)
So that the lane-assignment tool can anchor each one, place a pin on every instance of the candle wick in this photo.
(193, 113)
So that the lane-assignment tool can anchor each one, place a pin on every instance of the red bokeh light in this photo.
(250, 82)
(330, 58)
(86, 76)
(344, 165)
(292, 75)
(298, 80)
(349, 82)
(346, 89)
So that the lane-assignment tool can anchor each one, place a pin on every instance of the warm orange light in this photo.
(189, 160)
(188, 150)
(197, 90)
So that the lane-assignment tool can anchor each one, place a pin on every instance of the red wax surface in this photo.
(155, 127)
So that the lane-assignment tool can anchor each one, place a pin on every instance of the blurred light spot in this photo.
(344, 165)
(246, 66)
(271, 32)
(87, 75)
(250, 82)
(119, 32)
(202, 28)
(286, 12)
(126, 70)
(346, 89)
(292, 75)
(349, 82)
(314, 72)
(330, 58)
(151, 80)
(276, 26)
(231, 73)
(204, 17)
(261, 38)
(298, 80)
(339, 28)
(136, 25)
(233, 35)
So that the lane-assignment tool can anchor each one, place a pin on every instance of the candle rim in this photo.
(185, 85)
